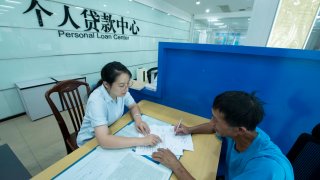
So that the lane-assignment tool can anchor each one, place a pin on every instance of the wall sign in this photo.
(96, 25)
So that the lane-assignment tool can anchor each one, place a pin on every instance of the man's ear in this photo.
(242, 130)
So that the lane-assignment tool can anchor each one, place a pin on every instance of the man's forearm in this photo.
(205, 128)
(182, 173)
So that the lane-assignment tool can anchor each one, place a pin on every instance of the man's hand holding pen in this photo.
(181, 129)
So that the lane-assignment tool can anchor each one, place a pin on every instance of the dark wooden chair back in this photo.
(69, 94)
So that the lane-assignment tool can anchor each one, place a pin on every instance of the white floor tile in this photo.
(37, 144)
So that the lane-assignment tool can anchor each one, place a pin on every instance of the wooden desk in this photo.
(202, 163)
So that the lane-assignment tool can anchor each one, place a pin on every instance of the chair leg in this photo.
(220, 178)
(69, 150)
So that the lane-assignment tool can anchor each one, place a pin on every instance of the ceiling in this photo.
(227, 23)
(215, 6)
(220, 7)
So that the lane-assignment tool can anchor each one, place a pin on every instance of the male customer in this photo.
(250, 152)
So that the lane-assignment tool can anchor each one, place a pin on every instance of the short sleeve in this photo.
(96, 113)
(128, 100)
(262, 168)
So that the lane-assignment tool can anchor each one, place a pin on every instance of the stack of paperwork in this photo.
(114, 164)
(176, 143)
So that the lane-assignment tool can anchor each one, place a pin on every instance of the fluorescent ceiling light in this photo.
(16, 2)
(222, 26)
(213, 20)
(6, 6)
(3, 10)
(197, 2)
(207, 10)
(218, 24)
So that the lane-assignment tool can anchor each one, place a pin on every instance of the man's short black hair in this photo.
(240, 109)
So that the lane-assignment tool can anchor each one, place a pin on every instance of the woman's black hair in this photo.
(110, 72)
(240, 109)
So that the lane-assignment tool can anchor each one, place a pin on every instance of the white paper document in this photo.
(176, 143)
(116, 164)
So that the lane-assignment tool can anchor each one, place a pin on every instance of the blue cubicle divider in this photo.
(287, 80)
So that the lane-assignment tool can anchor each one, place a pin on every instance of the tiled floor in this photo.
(38, 144)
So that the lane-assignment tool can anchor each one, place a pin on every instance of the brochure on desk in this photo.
(118, 163)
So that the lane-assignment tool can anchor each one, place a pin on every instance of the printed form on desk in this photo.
(176, 143)
(115, 165)
(121, 164)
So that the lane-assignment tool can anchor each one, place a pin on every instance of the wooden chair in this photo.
(68, 92)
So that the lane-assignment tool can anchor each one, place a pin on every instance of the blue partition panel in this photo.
(287, 80)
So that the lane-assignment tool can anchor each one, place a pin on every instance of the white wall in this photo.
(28, 51)
(262, 17)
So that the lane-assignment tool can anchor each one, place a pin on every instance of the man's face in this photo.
(220, 125)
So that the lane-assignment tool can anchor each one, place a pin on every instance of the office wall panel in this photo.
(15, 17)
(131, 9)
(4, 106)
(15, 70)
(32, 49)
(24, 43)
(10, 103)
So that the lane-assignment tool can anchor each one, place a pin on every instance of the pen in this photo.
(178, 126)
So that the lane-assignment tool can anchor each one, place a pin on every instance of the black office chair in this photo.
(316, 131)
(149, 73)
(305, 155)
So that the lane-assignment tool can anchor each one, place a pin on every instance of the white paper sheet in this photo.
(124, 163)
(115, 165)
(176, 143)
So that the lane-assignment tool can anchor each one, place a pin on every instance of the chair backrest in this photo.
(316, 131)
(69, 95)
(149, 73)
(305, 156)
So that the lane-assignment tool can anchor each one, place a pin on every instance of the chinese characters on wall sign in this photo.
(94, 23)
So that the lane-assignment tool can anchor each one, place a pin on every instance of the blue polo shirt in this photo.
(261, 160)
(101, 110)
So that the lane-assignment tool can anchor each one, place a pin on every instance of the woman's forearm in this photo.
(135, 113)
(111, 141)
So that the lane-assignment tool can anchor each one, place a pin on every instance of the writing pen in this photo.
(175, 132)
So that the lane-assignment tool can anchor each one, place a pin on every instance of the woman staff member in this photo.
(106, 104)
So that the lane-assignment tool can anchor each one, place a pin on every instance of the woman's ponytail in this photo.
(99, 83)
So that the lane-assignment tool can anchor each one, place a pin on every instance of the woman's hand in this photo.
(151, 140)
(142, 127)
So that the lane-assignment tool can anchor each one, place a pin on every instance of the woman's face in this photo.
(120, 86)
